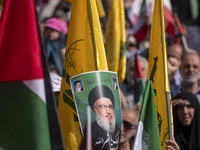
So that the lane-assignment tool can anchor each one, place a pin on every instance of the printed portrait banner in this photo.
(99, 90)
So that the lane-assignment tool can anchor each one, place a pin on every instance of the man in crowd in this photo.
(190, 72)
(105, 131)
(128, 87)
(174, 56)
(129, 126)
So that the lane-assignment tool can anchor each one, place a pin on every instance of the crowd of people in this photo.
(183, 70)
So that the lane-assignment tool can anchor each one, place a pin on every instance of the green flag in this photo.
(147, 136)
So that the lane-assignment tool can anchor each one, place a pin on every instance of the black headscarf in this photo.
(188, 138)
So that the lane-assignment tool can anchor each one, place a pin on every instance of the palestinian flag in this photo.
(25, 121)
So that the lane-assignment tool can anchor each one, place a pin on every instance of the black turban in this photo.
(99, 92)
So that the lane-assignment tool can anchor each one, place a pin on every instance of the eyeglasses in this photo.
(128, 125)
(104, 106)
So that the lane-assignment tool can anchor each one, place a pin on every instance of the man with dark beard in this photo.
(190, 72)
(105, 131)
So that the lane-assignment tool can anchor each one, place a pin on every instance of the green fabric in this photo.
(141, 90)
(194, 8)
(149, 119)
(23, 119)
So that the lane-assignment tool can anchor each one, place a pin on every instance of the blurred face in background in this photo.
(129, 125)
(131, 74)
(190, 68)
(174, 54)
(131, 44)
(54, 35)
(127, 3)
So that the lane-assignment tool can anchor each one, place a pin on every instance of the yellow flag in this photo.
(100, 7)
(115, 39)
(157, 69)
(84, 52)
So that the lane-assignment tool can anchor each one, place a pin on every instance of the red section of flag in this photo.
(180, 28)
(141, 33)
(20, 57)
(169, 22)
(139, 74)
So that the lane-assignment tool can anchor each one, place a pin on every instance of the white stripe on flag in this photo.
(37, 86)
(139, 144)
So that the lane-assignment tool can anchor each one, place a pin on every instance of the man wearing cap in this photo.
(105, 131)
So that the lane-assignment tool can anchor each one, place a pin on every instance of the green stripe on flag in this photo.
(150, 133)
(23, 119)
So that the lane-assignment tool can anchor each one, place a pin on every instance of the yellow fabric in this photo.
(115, 40)
(84, 52)
(157, 69)
(100, 7)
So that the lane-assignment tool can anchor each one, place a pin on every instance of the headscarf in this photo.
(187, 137)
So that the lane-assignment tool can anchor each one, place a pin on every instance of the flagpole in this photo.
(88, 128)
(169, 116)
(181, 31)
(93, 35)
(166, 72)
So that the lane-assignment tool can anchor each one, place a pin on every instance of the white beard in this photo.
(191, 81)
(110, 127)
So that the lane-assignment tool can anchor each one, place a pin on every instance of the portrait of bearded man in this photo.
(105, 131)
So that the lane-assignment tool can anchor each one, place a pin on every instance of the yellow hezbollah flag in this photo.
(115, 40)
(84, 52)
(157, 70)
(100, 8)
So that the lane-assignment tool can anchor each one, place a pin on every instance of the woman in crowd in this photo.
(186, 115)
